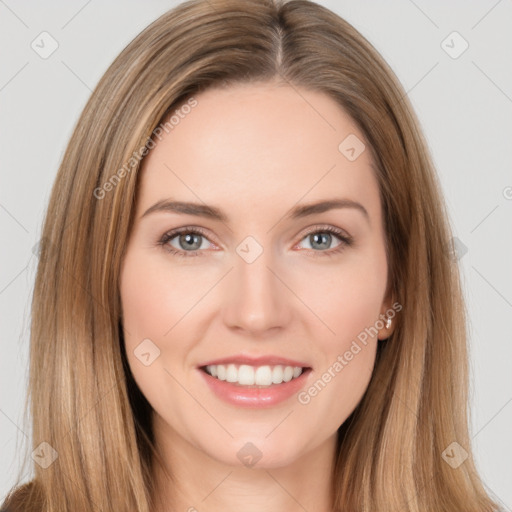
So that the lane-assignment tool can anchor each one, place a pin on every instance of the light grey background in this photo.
(464, 105)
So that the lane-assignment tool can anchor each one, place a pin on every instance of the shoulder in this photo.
(25, 497)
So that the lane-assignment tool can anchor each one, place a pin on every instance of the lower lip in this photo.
(244, 396)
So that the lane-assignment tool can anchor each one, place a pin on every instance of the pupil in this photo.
(324, 240)
(191, 241)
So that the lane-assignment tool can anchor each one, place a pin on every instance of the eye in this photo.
(192, 241)
(187, 241)
(320, 240)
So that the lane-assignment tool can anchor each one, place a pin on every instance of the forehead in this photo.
(260, 145)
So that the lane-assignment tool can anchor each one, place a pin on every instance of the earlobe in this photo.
(383, 324)
(387, 322)
(387, 331)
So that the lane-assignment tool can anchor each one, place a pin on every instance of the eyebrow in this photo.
(214, 213)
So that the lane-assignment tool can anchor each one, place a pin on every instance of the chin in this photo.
(258, 451)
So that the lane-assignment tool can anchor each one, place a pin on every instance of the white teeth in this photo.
(277, 374)
(288, 373)
(263, 376)
(231, 373)
(247, 375)
(221, 372)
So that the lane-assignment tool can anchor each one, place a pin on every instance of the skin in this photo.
(255, 151)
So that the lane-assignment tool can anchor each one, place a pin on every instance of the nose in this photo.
(257, 300)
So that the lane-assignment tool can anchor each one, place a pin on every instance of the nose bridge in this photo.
(258, 300)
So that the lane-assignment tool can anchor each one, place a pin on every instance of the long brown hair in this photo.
(84, 402)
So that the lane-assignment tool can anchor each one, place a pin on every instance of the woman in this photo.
(188, 351)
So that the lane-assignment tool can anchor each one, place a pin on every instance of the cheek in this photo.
(153, 303)
(153, 299)
(146, 298)
(347, 354)
(162, 304)
(348, 298)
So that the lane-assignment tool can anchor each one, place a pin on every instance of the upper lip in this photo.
(270, 360)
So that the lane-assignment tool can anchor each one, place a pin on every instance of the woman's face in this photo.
(265, 285)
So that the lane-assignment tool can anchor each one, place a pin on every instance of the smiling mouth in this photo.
(254, 376)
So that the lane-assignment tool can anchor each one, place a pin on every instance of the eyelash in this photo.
(346, 241)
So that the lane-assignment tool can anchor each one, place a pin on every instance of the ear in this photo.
(388, 317)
